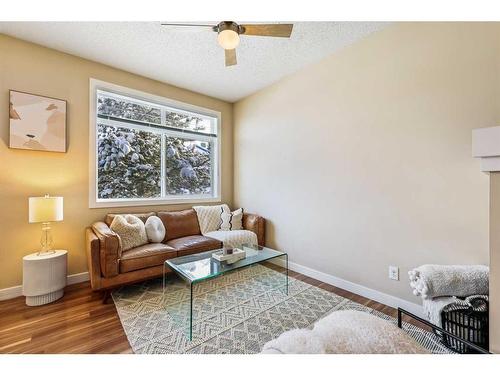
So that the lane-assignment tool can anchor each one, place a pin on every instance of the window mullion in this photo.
(163, 121)
(213, 166)
(172, 133)
(163, 190)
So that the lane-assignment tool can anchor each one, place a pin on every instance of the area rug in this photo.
(236, 313)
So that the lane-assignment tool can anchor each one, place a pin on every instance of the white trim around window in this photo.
(95, 202)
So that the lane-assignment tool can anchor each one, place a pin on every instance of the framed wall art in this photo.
(37, 122)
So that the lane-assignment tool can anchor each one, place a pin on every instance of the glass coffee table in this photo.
(199, 267)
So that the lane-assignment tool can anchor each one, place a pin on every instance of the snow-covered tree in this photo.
(128, 110)
(129, 163)
(187, 166)
(129, 160)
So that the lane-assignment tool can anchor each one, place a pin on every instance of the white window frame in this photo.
(95, 202)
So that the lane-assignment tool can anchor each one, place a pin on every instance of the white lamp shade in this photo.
(45, 209)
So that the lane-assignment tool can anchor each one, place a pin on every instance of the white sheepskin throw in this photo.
(155, 230)
(296, 341)
(131, 231)
(347, 332)
(209, 217)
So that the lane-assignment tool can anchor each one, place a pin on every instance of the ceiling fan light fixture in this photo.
(228, 34)
(228, 39)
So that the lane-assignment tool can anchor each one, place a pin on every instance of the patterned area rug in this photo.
(236, 313)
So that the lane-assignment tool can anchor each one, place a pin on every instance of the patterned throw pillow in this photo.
(131, 231)
(209, 217)
(231, 220)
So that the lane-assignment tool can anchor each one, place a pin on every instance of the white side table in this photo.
(44, 277)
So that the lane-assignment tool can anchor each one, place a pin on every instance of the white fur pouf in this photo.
(346, 332)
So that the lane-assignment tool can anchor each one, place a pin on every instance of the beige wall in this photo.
(364, 160)
(31, 68)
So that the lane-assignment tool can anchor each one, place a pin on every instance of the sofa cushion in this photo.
(149, 255)
(131, 231)
(143, 216)
(234, 238)
(180, 223)
(194, 244)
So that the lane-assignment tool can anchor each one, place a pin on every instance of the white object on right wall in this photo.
(490, 164)
(486, 146)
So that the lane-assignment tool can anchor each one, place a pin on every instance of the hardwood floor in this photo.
(80, 323)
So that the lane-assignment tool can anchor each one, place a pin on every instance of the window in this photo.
(150, 150)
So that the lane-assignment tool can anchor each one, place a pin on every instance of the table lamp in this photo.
(45, 210)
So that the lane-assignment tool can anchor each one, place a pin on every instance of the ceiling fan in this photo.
(229, 34)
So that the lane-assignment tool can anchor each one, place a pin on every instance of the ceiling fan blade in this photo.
(281, 30)
(230, 57)
(190, 26)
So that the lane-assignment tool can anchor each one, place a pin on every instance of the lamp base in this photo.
(46, 239)
(42, 252)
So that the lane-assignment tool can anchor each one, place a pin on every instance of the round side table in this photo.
(44, 277)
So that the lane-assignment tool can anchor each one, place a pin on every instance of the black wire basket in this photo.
(467, 324)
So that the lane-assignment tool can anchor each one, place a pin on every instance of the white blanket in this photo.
(234, 238)
(432, 280)
(434, 307)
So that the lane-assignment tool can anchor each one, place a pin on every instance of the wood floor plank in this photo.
(80, 323)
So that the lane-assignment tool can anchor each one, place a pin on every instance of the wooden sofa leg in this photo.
(106, 296)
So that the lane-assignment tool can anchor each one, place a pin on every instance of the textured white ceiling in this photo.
(193, 59)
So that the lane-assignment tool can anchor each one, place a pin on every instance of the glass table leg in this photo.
(191, 313)
(286, 257)
(163, 278)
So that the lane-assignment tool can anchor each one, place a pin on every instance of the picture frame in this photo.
(37, 122)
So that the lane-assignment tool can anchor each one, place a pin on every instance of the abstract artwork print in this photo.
(37, 122)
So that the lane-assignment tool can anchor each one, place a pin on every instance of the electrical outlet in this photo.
(393, 273)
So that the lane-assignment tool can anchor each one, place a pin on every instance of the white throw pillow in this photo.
(155, 229)
(131, 231)
(209, 217)
(231, 220)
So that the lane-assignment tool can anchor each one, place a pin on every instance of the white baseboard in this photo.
(77, 278)
(11, 292)
(17, 291)
(361, 290)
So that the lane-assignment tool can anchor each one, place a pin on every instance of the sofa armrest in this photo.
(256, 224)
(110, 249)
(92, 248)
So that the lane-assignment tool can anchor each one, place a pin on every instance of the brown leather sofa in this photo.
(110, 267)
